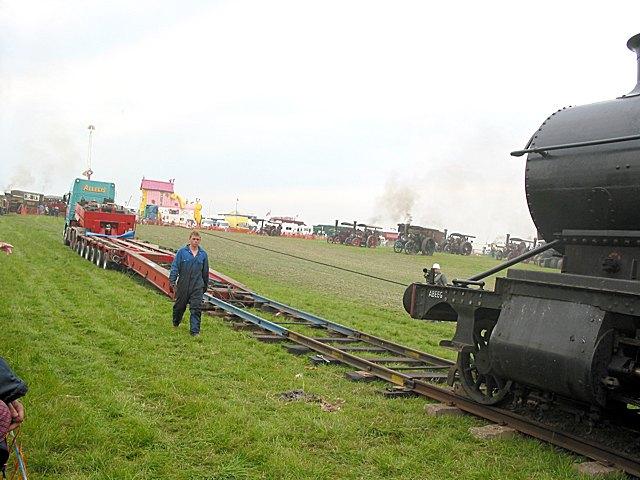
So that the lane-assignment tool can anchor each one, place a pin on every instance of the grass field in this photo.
(116, 393)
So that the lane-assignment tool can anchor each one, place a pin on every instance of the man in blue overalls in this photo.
(190, 269)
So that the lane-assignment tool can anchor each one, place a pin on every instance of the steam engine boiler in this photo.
(571, 335)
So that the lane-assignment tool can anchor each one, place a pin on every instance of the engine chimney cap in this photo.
(633, 43)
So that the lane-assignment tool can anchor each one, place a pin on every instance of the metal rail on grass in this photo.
(362, 336)
(247, 316)
(582, 446)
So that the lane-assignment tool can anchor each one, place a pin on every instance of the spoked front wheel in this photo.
(475, 369)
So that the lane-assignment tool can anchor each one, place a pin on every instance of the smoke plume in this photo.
(45, 163)
(396, 202)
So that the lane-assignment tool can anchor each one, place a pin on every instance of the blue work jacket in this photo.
(191, 272)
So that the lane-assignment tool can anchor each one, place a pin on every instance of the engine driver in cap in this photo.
(437, 276)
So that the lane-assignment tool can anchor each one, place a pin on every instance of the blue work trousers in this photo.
(192, 298)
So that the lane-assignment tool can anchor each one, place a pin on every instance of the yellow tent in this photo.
(237, 221)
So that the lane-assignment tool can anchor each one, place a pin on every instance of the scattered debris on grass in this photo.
(301, 395)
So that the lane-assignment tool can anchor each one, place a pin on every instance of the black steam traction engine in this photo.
(569, 336)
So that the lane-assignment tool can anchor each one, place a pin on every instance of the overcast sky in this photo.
(323, 109)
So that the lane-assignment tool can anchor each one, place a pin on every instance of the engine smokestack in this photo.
(633, 44)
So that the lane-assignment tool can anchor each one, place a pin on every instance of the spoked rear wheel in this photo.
(411, 247)
(476, 376)
(428, 246)
(372, 241)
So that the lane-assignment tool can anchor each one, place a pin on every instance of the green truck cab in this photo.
(88, 190)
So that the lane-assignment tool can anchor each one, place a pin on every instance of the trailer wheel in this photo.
(104, 260)
(398, 246)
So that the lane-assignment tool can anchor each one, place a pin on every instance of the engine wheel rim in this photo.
(410, 248)
(475, 376)
(428, 247)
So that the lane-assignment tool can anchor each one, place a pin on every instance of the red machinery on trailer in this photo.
(94, 224)
(104, 219)
(98, 230)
